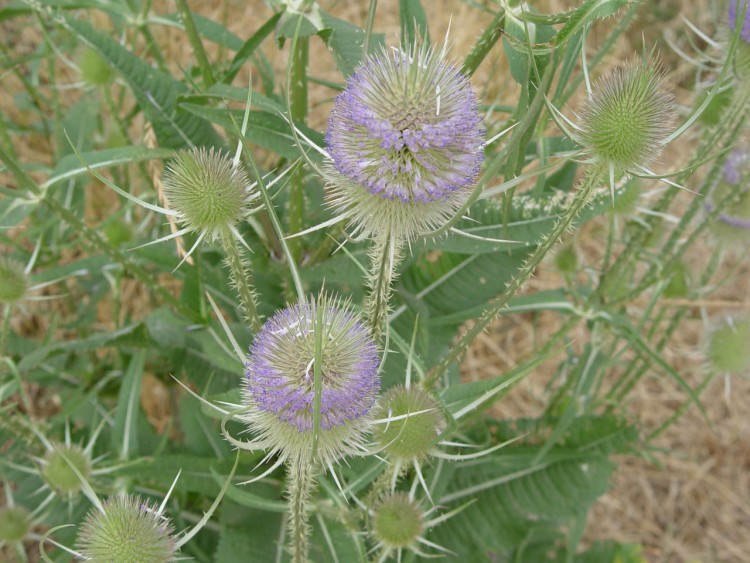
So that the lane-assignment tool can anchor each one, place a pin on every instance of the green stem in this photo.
(239, 272)
(368, 27)
(484, 44)
(301, 484)
(594, 176)
(195, 42)
(297, 91)
(385, 256)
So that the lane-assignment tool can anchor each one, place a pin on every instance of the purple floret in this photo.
(280, 375)
(736, 166)
(406, 133)
(735, 7)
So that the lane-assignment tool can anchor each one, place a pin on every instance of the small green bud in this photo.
(729, 347)
(566, 259)
(625, 121)
(410, 438)
(117, 232)
(679, 282)
(128, 530)
(94, 69)
(58, 472)
(13, 280)
(206, 189)
(15, 523)
(397, 521)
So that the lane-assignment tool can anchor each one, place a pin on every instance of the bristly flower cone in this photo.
(407, 141)
(397, 522)
(128, 530)
(280, 382)
(207, 190)
(626, 121)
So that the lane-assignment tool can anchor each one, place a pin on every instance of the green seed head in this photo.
(412, 437)
(625, 122)
(15, 523)
(729, 347)
(129, 530)
(94, 69)
(566, 259)
(206, 189)
(58, 471)
(398, 521)
(13, 280)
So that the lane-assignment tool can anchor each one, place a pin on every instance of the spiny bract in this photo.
(625, 122)
(209, 192)
(128, 530)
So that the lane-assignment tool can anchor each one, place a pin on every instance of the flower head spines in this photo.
(13, 280)
(410, 438)
(209, 192)
(397, 522)
(407, 142)
(625, 121)
(128, 530)
(407, 127)
(57, 470)
(280, 378)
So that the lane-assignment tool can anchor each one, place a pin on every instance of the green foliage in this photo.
(122, 358)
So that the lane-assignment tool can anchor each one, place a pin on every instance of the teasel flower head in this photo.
(14, 281)
(57, 468)
(416, 427)
(406, 141)
(280, 382)
(728, 349)
(625, 121)
(127, 529)
(399, 523)
(208, 191)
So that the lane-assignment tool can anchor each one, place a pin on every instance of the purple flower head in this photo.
(735, 7)
(281, 367)
(736, 166)
(407, 128)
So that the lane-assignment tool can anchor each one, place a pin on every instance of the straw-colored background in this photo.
(691, 502)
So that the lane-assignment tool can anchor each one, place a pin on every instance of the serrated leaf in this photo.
(155, 90)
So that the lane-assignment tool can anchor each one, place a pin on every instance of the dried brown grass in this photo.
(691, 502)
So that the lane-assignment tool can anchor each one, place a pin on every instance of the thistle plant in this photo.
(127, 529)
(406, 142)
(311, 381)
(335, 266)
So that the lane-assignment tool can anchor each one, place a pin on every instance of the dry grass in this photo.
(691, 502)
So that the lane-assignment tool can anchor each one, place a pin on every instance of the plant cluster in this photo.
(297, 302)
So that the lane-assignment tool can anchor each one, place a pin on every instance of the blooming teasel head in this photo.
(319, 340)
(406, 140)
(625, 122)
(209, 192)
(127, 529)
